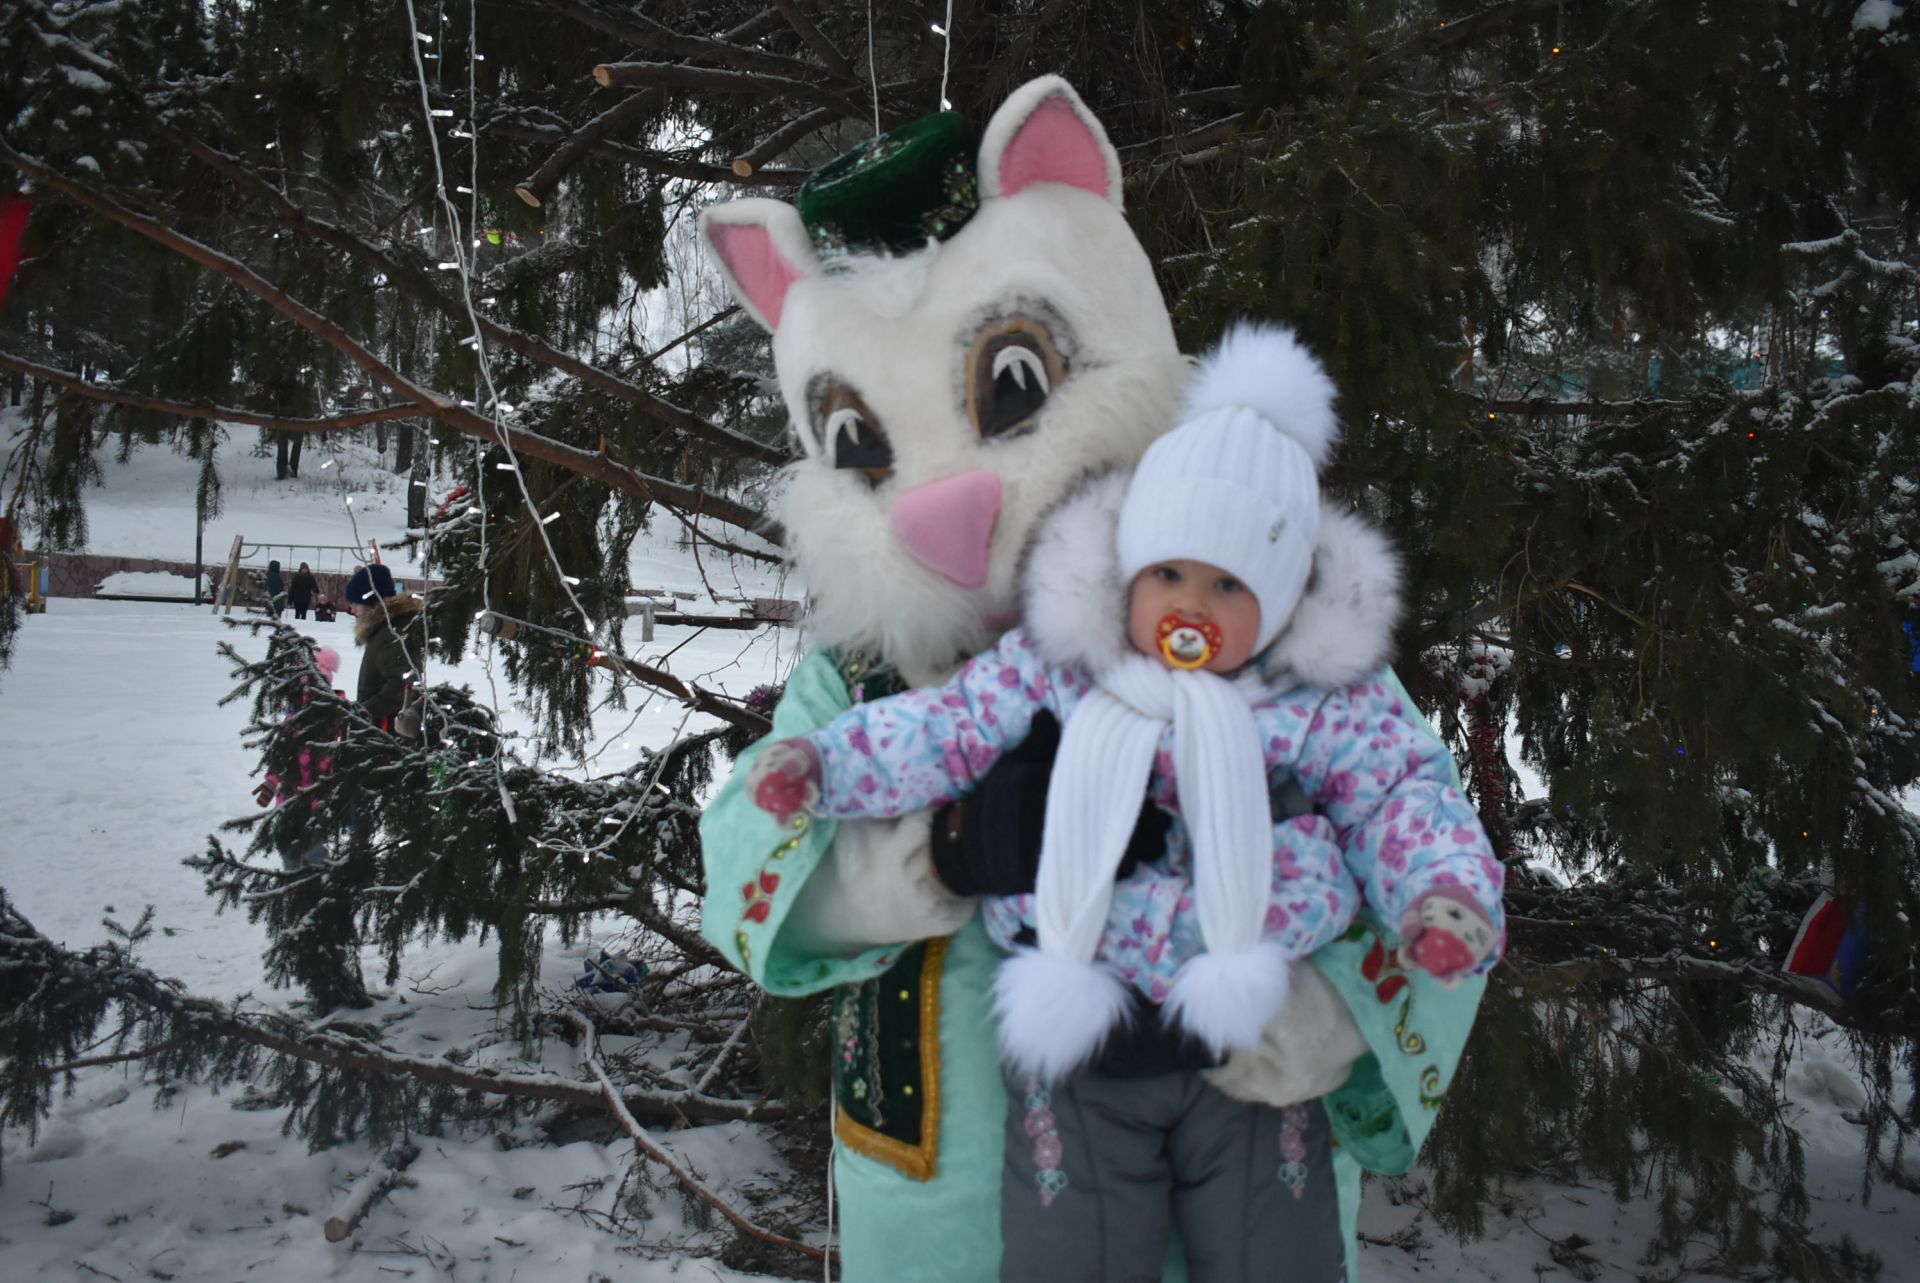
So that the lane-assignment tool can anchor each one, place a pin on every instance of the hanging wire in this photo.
(826, 1257)
(873, 77)
(465, 262)
(946, 56)
(478, 339)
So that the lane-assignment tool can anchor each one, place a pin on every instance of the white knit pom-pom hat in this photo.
(1237, 484)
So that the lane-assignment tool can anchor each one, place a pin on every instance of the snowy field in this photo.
(119, 761)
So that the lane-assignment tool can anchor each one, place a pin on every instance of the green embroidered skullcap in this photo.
(895, 191)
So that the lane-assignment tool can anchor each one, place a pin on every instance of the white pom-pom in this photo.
(1055, 1012)
(1265, 369)
(1226, 999)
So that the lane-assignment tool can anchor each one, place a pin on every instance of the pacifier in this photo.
(1185, 645)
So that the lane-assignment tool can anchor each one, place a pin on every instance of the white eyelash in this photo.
(846, 417)
(1021, 360)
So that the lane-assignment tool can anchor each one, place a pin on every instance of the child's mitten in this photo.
(1447, 933)
(784, 779)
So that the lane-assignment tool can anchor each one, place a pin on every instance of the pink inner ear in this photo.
(1053, 145)
(762, 272)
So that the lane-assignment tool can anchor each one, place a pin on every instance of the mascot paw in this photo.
(1446, 935)
(784, 780)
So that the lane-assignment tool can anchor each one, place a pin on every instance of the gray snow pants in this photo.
(1098, 1169)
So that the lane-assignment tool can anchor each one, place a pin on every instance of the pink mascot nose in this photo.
(948, 524)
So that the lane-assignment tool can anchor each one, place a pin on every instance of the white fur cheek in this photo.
(1342, 631)
(868, 592)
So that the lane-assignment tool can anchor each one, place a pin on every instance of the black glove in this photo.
(989, 843)
(1148, 1044)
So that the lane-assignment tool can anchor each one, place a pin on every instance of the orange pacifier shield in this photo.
(1188, 645)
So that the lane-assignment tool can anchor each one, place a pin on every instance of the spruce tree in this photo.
(1620, 297)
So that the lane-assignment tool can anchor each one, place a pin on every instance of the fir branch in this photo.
(446, 409)
(1000, 79)
(298, 219)
(105, 974)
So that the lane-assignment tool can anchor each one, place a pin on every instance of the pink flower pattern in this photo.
(1042, 1128)
(1294, 1121)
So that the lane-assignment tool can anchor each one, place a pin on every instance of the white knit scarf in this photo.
(1055, 1003)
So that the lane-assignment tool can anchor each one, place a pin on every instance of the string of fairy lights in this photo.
(464, 238)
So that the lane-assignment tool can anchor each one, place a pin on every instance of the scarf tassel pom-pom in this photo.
(1055, 1012)
(1226, 999)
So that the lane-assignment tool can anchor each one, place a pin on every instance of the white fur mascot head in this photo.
(946, 398)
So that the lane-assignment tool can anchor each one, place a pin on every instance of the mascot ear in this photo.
(1043, 133)
(762, 249)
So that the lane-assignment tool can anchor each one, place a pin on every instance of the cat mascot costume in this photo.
(1006, 341)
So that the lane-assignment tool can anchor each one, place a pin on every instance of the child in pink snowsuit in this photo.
(314, 762)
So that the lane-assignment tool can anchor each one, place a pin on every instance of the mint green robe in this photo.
(920, 1102)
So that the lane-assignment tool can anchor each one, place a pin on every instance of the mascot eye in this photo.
(1013, 368)
(846, 430)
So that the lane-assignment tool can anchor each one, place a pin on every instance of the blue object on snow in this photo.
(609, 974)
(1913, 641)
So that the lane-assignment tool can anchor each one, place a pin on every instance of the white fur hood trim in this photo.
(1073, 600)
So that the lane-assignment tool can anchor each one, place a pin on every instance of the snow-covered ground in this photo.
(118, 760)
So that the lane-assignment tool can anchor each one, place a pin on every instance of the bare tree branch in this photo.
(671, 75)
(645, 1144)
(1145, 161)
(536, 187)
(723, 314)
(635, 26)
(192, 410)
(698, 698)
(659, 162)
(834, 61)
(121, 1058)
(748, 163)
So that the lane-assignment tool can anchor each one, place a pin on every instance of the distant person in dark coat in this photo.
(392, 630)
(276, 589)
(300, 592)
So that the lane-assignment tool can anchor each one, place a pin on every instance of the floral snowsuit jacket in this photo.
(1387, 819)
